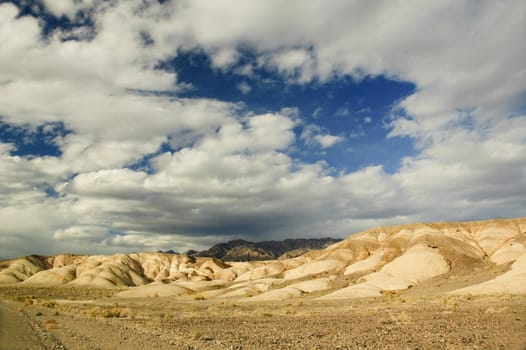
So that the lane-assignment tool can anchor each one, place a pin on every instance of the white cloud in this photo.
(244, 87)
(81, 233)
(261, 133)
(478, 172)
(296, 64)
(313, 135)
(233, 173)
(224, 58)
(246, 70)
(327, 141)
(447, 51)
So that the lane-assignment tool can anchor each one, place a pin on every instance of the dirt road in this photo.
(19, 331)
(15, 330)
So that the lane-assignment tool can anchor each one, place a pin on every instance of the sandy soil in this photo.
(15, 331)
(20, 331)
(77, 318)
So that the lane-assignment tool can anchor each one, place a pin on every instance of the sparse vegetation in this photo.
(49, 324)
(389, 293)
(272, 324)
(113, 312)
(195, 335)
(48, 303)
(166, 316)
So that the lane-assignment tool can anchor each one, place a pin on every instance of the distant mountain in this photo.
(241, 250)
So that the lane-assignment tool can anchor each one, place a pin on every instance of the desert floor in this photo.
(88, 318)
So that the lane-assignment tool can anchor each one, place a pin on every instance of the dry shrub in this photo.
(114, 312)
(165, 316)
(49, 324)
(94, 311)
(49, 304)
(263, 312)
(195, 335)
(290, 311)
(130, 313)
(391, 294)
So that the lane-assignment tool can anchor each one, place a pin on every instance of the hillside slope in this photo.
(459, 258)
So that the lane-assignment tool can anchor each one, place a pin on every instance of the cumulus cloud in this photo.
(224, 58)
(327, 141)
(313, 135)
(296, 64)
(232, 173)
(434, 46)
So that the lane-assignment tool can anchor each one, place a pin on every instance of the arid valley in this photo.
(236, 174)
(417, 286)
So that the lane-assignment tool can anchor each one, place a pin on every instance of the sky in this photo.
(146, 125)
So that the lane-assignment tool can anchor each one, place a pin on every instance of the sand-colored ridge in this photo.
(362, 290)
(154, 289)
(372, 263)
(512, 282)
(418, 264)
(18, 270)
(365, 264)
(54, 276)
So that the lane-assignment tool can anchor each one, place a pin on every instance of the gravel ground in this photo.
(18, 330)
(389, 322)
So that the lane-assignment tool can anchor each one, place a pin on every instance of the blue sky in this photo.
(146, 125)
(357, 111)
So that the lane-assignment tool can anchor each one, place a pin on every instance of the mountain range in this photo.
(241, 250)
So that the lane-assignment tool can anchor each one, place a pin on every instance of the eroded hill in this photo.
(483, 257)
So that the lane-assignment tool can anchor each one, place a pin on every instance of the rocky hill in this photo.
(241, 250)
(457, 258)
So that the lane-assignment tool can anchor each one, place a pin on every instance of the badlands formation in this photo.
(445, 258)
